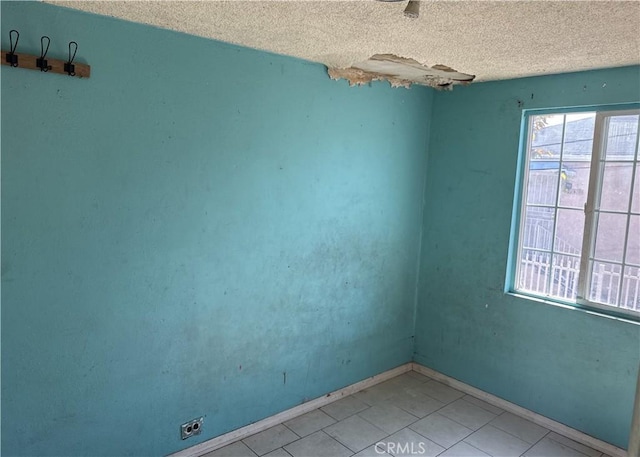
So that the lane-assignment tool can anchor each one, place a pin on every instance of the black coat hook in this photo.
(69, 67)
(41, 63)
(12, 58)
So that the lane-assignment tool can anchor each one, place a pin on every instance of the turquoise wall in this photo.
(574, 367)
(186, 226)
(178, 233)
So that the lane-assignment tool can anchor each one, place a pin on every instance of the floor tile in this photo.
(278, 453)
(463, 449)
(439, 391)
(355, 433)
(467, 414)
(441, 430)
(573, 445)
(405, 381)
(414, 409)
(483, 404)
(270, 439)
(344, 408)
(419, 376)
(388, 417)
(310, 422)
(378, 393)
(318, 444)
(497, 443)
(547, 447)
(415, 403)
(406, 442)
(372, 451)
(519, 427)
(237, 449)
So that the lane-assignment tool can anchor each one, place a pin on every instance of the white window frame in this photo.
(590, 210)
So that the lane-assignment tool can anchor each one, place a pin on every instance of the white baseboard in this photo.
(256, 427)
(536, 418)
(241, 433)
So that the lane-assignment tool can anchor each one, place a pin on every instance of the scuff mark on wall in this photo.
(400, 72)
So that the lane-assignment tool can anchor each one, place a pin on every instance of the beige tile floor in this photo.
(409, 415)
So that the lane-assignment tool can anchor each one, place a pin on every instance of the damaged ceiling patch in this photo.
(400, 72)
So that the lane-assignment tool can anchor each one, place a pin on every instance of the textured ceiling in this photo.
(489, 39)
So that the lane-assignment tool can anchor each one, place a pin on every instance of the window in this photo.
(579, 213)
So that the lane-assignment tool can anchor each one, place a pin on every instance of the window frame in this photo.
(589, 230)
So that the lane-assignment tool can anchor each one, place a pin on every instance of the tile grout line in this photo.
(469, 444)
(509, 433)
(299, 437)
(386, 436)
(418, 419)
(437, 411)
(453, 420)
(463, 441)
(484, 425)
(447, 448)
(365, 419)
(530, 447)
(573, 449)
(507, 406)
(481, 407)
(356, 414)
(401, 389)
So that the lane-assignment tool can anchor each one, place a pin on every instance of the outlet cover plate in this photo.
(191, 428)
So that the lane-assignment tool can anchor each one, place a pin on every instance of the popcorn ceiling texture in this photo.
(492, 40)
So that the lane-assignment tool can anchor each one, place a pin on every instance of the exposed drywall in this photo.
(186, 226)
(573, 367)
(400, 72)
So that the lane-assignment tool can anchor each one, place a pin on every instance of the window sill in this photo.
(575, 307)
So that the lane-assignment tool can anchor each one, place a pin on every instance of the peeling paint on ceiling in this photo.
(400, 72)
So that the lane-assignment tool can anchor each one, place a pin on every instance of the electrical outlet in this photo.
(193, 427)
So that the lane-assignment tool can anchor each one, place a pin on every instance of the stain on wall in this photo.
(224, 232)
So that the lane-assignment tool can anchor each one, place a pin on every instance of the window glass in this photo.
(579, 237)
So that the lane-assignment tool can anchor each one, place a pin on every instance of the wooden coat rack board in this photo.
(55, 65)
(42, 62)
